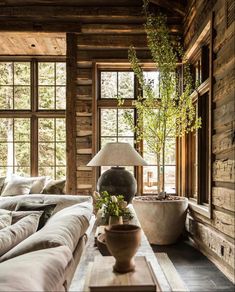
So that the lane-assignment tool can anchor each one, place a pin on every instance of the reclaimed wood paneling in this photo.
(215, 236)
(224, 198)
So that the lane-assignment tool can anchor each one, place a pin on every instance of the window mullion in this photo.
(34, 119)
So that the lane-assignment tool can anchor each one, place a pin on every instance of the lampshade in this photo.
(117, 154)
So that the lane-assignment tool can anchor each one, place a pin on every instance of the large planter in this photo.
(162, 220)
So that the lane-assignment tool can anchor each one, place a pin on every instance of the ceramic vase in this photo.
(122, 242)
(113, 220)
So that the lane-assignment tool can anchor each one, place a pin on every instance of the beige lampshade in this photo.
(117, 154)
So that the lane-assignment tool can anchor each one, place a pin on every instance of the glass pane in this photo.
(108, 84)
(60, 154)
(125, 84)
(152, 78)
(22, 154)
(46, 154)
(108, 122)
(6, 73)
(46, 97)
(22, 170)
(170, 152)
(46, 129)
(148, 155)
(60, 130)
(60, 97)
(60, 73)
(127, 140)
(46, 171)
(22, 73)
(22, 129)
(46, 73)
(123, 127)
(170, 179)
(107, 140)
(6, 130)
(60, 172)
(150, 179)
(22, 97)
(6, 97)
(3, 154)
(6, 171)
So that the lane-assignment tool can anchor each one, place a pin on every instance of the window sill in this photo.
(201, 209)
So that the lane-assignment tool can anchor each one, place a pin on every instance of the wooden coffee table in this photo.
(91, 251)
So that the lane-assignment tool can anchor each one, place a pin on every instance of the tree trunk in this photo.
(158, 173)
(163, 167)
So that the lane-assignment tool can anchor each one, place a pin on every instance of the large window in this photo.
(112, 125)
(198, 143)
(32, 123)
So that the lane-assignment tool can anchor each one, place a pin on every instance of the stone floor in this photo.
(198, 273)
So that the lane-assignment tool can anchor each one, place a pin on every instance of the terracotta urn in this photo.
(122, 242)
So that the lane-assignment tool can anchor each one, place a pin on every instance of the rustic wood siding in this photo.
(215, 236)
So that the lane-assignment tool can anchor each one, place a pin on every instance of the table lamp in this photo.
(117, 180)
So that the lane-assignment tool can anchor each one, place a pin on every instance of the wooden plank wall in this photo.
(215, 237)
(103, 43)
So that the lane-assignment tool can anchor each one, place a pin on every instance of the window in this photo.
(112, 126)
(32, 123)
(198, 160)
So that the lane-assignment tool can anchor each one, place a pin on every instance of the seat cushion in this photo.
(11, 235)
(41, 270)
(64, 228)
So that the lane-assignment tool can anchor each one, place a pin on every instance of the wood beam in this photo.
(173, 6)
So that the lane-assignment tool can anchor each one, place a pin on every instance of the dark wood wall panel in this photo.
(215, 236)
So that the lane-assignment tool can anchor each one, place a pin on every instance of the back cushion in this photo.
(17, 186)
(41, 270)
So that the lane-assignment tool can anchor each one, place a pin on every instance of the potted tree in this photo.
(161, 114)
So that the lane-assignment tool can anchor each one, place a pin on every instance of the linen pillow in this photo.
(17, 186)
(5, 220)
(2, 181)
(11, 235)
(54, 187)
(38, 184)
(18, 215)
(65, 228)
(42, 270)
(31, 206)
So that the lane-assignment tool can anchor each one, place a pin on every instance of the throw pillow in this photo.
(38, 184)
(5, 220)
(54, 187)
(17, 186)
(2, 181)
(18, 215)
(31, 206)
(11, 235)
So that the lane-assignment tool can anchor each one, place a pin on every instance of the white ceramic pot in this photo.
(162, 220)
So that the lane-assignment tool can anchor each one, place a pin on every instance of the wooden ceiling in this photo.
(39, 27)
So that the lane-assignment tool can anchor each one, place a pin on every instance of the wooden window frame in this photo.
(33, 113)
(206, 87)
(99, 103)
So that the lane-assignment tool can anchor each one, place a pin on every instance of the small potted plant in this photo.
(113, 209)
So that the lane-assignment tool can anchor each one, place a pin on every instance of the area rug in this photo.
(171, 274)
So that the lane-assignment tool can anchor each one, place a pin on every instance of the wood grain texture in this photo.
(224, 198)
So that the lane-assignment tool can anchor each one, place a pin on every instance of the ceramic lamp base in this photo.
(118, 181)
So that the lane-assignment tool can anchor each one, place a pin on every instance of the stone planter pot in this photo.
(162, 220)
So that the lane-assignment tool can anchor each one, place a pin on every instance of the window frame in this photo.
(204, 169)
(113, 103)
(34, 113)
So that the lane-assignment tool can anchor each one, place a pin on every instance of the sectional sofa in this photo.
(45, 259)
